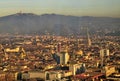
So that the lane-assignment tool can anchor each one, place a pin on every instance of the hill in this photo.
(57, 24)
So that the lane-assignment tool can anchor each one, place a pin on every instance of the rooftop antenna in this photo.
(19, 13)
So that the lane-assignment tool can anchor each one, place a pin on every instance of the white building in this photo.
(53, 75)
(77, 68)
(64, 57)
(104, 52)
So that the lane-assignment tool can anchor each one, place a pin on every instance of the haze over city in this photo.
(102, 8)
(59, 40)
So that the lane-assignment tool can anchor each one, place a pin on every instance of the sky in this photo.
(102, 8)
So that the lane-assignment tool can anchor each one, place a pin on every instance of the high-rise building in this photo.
(102, 56)
(77, 68)
(64, 57)
(103, 53)
(56, 57)
(61, 58)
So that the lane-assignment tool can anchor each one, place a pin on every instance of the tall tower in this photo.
(88, 38)
(102, 56)
(59, 47)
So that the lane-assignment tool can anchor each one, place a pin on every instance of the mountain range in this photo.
(28, 23)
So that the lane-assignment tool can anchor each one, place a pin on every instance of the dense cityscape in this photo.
(59, 58)
(59, 40)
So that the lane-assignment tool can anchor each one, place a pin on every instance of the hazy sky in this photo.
(109, 8)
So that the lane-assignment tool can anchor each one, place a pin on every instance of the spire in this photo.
(88, 38)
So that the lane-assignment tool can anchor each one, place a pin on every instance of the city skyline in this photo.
(101, 8)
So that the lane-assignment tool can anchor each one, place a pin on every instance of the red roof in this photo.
(81, 76)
